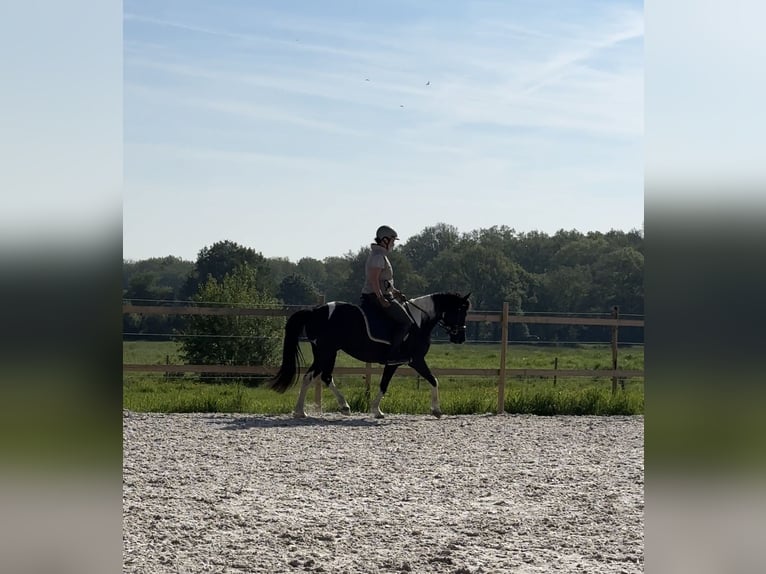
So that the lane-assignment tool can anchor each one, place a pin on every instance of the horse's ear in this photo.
(467, 296)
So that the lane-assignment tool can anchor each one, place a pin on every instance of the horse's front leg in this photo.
(388, 372)
(422, 369)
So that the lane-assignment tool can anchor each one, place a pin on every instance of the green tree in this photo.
(155, 278)
(153, 281)
(566, 290)
(498, 238)
(424, 247)
(534, 250)
(580, 251)
(618, 279)
(230, 339)
(146, 286)
(314, 271)
(297, 290)
(340, 275)
(412, 283)
(223, 258)
(279, 268)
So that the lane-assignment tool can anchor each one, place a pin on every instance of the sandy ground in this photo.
(247, 493)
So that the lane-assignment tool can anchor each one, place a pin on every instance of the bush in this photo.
(230, 339)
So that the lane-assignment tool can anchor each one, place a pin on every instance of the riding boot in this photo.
(394, 353)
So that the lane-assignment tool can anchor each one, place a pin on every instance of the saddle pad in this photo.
(379, 326)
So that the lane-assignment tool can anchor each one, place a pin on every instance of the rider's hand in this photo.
(384, 302)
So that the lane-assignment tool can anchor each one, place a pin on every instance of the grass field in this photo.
(459, 394)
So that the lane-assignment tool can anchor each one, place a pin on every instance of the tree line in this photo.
(567, 272)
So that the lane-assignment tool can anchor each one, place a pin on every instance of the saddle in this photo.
(380, 327)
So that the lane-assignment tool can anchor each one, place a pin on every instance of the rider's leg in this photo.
(403, 321)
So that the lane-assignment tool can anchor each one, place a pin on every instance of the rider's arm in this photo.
(374, 276)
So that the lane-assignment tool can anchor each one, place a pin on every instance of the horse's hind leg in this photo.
(327, 369)
(388, 372)
(300, 410)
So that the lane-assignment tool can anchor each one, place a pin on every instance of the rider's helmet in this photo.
(385, 231)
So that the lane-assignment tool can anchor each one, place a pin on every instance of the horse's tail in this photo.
(291, 352)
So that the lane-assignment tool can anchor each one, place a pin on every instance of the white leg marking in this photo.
(342, 403)
(435, 408)
(300, 411)
(375, 406)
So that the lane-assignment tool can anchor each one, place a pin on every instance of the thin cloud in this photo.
(272, 114)
(520, 101)
(253, 160)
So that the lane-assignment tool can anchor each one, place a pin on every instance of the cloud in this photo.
(521, 99)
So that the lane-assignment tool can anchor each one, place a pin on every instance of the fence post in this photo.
(615, 315)
(503, 351)
(555, 368)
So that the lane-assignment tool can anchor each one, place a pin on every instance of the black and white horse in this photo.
(343, 326)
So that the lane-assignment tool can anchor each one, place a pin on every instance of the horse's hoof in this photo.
(299, 415)
(437, 414)
(379, 415)
(345, 410)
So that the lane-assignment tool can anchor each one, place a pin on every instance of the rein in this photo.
(418, 307)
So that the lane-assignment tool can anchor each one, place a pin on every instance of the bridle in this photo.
(451, 330)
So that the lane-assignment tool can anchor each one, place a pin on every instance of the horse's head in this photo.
(453, 316)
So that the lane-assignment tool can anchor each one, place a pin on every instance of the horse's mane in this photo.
(451, 295)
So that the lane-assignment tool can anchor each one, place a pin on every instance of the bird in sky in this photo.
(428, 83)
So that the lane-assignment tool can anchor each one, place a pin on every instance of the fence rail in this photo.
(502, 372)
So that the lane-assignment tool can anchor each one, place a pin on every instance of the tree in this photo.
(569, 271)
(314, 271)
(534, 250)
(223, 258)
(340, 274)
(160, 277)
(582, 251)
(424, 247)
(279, 268)
(231, 339)
(502, 239)
(406, 279)
(297, 290)
(155, 281)
(145, 286)
(566, 290)
(618, 278)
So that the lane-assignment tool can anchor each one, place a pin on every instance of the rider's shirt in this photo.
(377, 259)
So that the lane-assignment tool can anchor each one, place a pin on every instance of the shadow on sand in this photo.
(244, 422)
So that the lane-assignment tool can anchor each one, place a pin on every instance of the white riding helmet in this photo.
(385, 231)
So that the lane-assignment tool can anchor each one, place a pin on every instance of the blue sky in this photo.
(297, 127)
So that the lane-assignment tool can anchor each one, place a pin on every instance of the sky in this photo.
(296, 128)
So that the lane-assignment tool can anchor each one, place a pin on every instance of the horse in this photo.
(344, 326)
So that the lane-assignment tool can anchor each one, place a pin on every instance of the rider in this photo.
(379, 286)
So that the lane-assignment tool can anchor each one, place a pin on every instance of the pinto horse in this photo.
(343, 326)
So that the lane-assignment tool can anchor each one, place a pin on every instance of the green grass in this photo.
(407, 395)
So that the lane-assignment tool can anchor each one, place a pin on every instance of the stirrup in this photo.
(396, 358)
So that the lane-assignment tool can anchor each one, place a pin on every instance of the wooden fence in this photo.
(502, 372)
